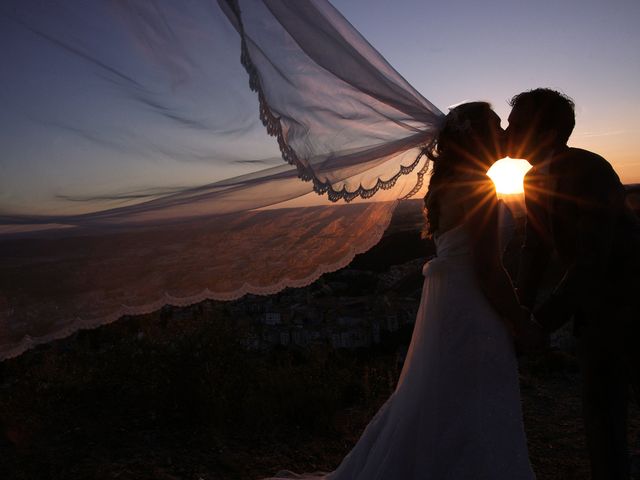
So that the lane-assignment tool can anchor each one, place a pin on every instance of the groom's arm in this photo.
(534, 258)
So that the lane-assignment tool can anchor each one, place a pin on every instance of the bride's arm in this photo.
(481, 207)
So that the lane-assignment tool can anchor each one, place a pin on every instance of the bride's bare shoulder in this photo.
(464, 197)
(460, 196)
(452, 206)
(467, 189)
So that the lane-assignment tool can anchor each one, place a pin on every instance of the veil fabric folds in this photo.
(137, 170)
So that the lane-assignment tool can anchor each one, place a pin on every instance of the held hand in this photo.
(529, 335)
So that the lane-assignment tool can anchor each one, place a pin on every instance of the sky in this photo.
(462, 50)
(450, 51)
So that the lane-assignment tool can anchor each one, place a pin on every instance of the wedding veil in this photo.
(136, 170)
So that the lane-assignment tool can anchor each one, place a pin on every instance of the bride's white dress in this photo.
(456, 412)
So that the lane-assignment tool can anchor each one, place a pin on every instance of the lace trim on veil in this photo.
(274, 128)
(374, 235)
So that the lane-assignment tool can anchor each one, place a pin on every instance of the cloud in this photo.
(146, 193)
(601, 134)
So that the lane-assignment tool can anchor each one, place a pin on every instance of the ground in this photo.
(150, 399)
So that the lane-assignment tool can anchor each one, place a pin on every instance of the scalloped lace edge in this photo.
(274, 128)
(29, 342)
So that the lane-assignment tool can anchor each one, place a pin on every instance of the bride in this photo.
(455, 413)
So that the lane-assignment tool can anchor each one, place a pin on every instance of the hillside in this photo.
(179, 394)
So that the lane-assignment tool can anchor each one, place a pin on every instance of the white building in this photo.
(392, 323)
(299, 336)
(272, 318)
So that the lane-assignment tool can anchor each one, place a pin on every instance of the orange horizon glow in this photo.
(508, 175)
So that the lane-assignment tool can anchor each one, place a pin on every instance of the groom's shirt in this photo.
(577, 209)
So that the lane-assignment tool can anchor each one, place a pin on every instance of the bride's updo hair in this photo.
(455, 148)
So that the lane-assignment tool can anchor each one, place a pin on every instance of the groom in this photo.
(576, 211)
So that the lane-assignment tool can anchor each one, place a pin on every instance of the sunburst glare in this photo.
(507, 175)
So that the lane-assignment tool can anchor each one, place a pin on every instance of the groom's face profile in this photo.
(521, 137)
(525, 137)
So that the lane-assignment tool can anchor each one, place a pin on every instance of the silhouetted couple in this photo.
(456, 411)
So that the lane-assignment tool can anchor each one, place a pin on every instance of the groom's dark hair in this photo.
(552, 110)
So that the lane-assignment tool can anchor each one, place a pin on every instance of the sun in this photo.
(507, 175)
